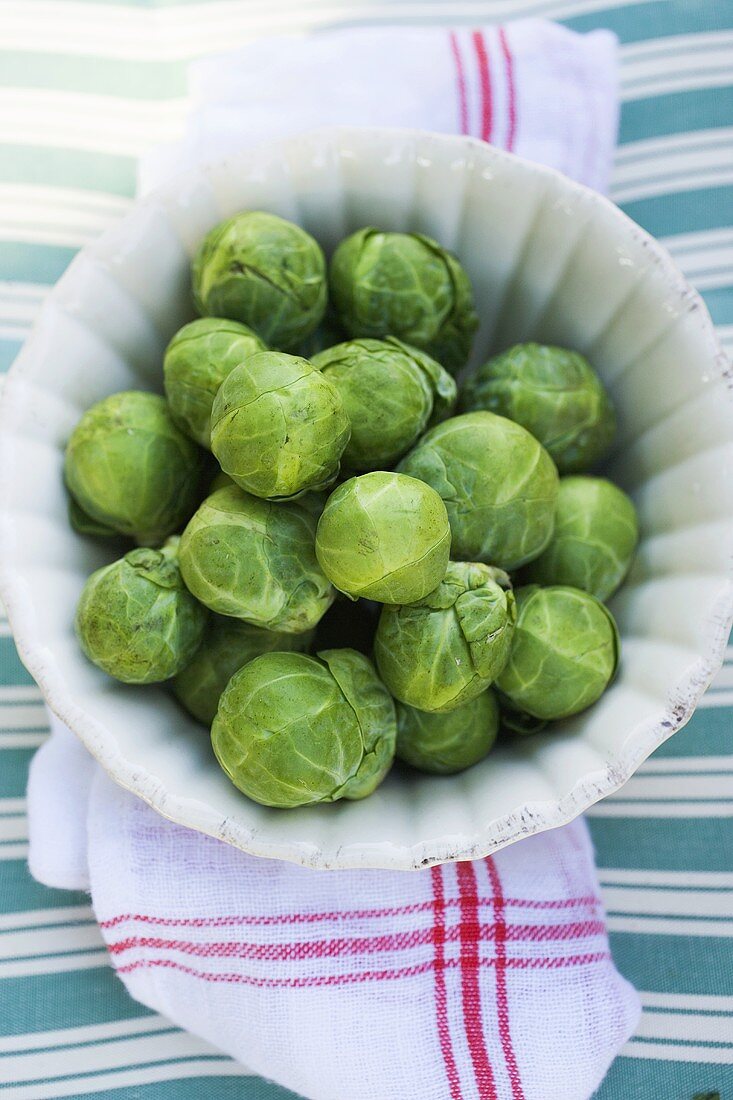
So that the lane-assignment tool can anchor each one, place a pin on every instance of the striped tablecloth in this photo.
(85, 87)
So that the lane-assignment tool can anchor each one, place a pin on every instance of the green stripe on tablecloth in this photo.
(8, 351)
(663, 963)
(33, 263)
(673, 964)
(707, 733)
(669, 844)
(644, 21)
(679, 113)
(653, 1079)
(14, 772)
(684, 211)
(114, 175)
(21, 893)
(201, 1088)
(47, 1002)
(129, 79)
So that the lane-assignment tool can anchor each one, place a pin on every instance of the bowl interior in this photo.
(550, 261)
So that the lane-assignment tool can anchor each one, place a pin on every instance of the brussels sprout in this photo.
(596, 532)
(265, 272)
(564, 653)
(197, 360)
(292, 730)
(278, 426)
(385, 537)
(136, 620)
(129, 467)
(405, 285)
(85, 525)
(445, 649)
(555, 394)
(443, 744)
(390, 392)
(254, 560)
(227, 645)
(498, 483)
(350, 624)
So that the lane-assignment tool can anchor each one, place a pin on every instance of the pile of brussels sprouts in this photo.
(326, 529)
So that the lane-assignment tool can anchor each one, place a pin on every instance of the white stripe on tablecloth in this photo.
(39, 943)
(686, 1001)
(20, 716)
(670, 926)
(674, 787)
(60, 915)
(714, 698)
(677, 1052)
(666, 167)
(190, 30)
(613, 807)
(127, 1078)
(688, 902)
(92, 1033)
(99, 123)
(685, 764)
(622, 876)
(114, 1054)
(688, 1026)
(22, 740)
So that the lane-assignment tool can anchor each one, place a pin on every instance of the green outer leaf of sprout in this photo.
(498, 483)
(254, 560)
(292, 730)
(278, 426)
(555, 394)
(136, 620)
(85, 525)
(445, 743)
(128, 466)
(596, 532)
(443, 650)
(564, 654)
(404, 285)
(196, 362)
(227, 646)
(267, 273)
(391, 392)
(385, 537)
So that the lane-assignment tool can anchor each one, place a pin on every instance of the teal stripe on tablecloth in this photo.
(33, 263)
(677, 113)
(664, 964)
(32, 164)
(669, 844)
(21, 893)
(8, 351)
(684, 211)
(82, 998)
(199, 1088)
(674, 964)
(639, 22)
(14, 772)
(708, 733)
(128, 79)
(653, 1079)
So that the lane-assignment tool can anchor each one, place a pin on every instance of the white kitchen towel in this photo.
(532, 87)
(489, 980)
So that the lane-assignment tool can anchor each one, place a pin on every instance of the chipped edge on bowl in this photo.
(524, 821)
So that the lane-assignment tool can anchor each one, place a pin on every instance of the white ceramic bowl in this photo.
(550, 261)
